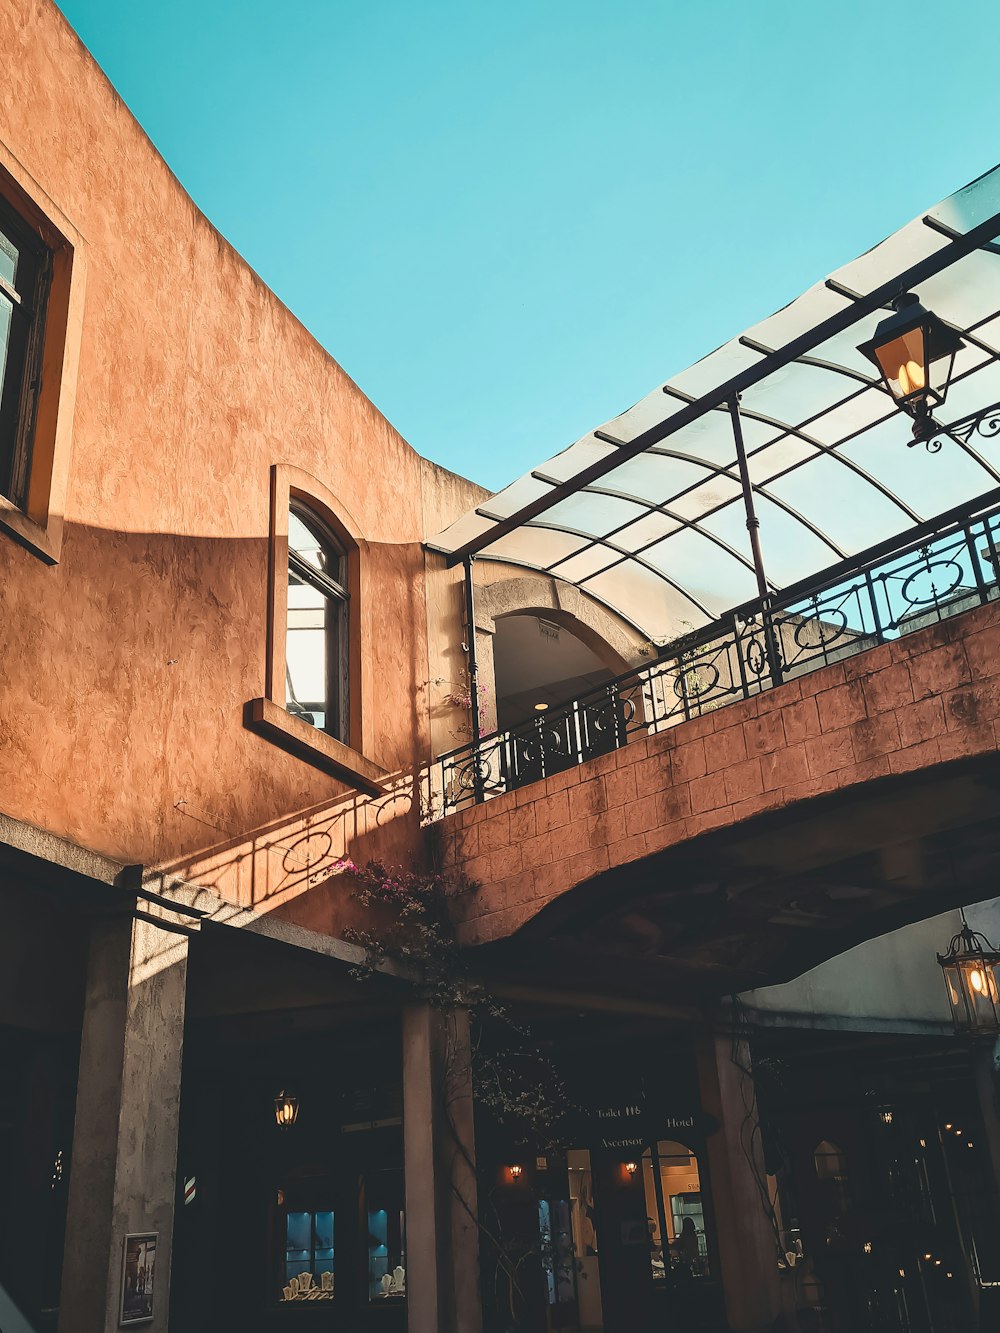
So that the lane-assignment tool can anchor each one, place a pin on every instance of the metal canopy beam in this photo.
(976, 238)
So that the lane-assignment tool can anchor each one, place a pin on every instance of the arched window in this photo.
(316, 644)
(675, 1214)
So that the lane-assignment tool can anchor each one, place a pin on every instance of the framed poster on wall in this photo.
(138, 1278)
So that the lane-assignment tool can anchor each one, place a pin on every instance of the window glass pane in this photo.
(583, 1223)
(306, 672)
(675, 1215)
(8, 259)
(307, 1270)
(556, 1248)
(386, 1238)
(313, 549)
(5, 317)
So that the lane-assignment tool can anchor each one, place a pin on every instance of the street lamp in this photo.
(971, 970)
(914, 352)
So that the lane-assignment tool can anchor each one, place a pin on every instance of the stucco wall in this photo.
(126, 666)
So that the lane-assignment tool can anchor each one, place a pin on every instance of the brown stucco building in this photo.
(239, 657)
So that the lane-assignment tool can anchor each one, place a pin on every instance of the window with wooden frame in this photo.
(317, 657)
(314, 700)
(25, 274)
(43, 264)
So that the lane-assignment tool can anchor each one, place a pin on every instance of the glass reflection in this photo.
(308, 1259)
(674, 1212)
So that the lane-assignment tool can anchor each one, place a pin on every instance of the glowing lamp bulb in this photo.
(286, 1110)
(515, 1171)
(631, 1167)
(976, 981)
(911, 376)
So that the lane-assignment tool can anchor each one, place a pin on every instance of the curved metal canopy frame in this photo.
(825, 447)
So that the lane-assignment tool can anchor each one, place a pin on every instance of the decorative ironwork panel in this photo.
(850, 610)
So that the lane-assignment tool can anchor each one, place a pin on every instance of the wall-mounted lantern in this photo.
(515, 1171)
(631, 1167)
(971, 970)
(286, 1110)
(914, 352)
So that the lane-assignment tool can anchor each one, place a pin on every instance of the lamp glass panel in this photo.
(939, 373)
(980, 985)
(902, 362)
(973, 988)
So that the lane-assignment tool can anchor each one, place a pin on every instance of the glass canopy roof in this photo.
(646, 513)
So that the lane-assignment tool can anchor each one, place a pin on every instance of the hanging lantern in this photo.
(914, 352)
(972, 979)
(286, 1110)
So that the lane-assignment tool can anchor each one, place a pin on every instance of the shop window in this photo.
(583, 1221)
(386, 1237)
(316, 638)
(556, 1248)
(830, 1161)
(674, 1212)
(25, 266)
(306, 1254)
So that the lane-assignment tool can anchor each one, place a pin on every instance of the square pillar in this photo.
(123, 1166)
(748, 1245)
(442, 1228)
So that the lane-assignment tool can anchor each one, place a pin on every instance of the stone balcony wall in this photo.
(928, 698)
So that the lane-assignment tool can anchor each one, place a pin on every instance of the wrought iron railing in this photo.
(930, 573)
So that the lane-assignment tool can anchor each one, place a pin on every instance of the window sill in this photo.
(29, 534)
(315, 747)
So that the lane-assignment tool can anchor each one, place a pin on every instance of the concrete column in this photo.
(748, 1248)
(442, 1231)
(123, 1167)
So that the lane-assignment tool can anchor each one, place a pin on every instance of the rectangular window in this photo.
(386, 1237)
(307, 1262)
(25, 270)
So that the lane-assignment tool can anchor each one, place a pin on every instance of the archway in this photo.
(539, 664)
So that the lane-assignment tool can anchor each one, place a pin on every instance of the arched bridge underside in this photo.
(841, 806)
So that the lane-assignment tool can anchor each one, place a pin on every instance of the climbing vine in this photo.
(512, 1079)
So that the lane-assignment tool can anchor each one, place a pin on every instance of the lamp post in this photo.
(971, 970)
(914, 352)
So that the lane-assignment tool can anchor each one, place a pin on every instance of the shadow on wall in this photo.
(135, 657)
(268, 867)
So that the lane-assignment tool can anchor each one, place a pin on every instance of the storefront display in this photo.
(308, 1264)
(675, 1214)
(386, 1236)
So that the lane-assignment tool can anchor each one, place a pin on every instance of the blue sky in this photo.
(508, 222)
